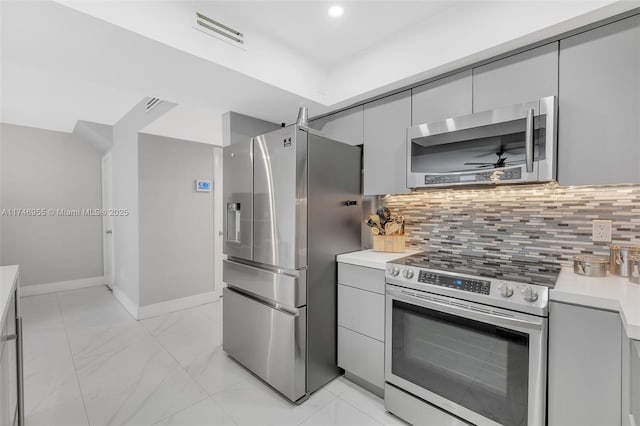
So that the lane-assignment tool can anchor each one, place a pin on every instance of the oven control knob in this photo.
(530, 295)
(506, 290)
(407, 273)
(395, 271)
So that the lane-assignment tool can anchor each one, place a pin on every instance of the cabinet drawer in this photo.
(361, 311)
(361, 356)
(360, 277)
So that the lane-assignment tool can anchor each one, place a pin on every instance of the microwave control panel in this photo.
(465, 284)
(494, 175)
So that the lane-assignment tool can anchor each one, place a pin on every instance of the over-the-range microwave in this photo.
(515, 144)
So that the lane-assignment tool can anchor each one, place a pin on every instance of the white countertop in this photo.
(611, 292)
(8, 282)
(372, 259)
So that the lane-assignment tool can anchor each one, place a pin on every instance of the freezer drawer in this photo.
(285, 289)
(268, 341)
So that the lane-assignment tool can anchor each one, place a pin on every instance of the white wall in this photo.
(176, 221)
(126, 246)
(45, 169)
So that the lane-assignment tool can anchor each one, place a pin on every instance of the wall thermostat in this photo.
(203, 185)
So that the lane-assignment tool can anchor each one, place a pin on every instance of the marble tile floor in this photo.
(88, 362)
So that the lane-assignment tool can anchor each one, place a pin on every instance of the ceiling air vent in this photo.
(152, 103)
(218, 30)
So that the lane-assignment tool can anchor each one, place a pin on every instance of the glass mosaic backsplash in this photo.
(535, 221)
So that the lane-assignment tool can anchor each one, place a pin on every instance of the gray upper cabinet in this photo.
(344, 126)
(441, 99)
(529, 75)
(385, 133)
(599, 129)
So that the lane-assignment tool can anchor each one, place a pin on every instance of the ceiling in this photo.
(67, 60)
(307, 28)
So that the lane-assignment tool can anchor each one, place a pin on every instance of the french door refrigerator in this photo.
(293, 203)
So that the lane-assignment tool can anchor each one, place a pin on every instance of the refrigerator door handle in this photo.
(233, 222)
(276, 285)
(270, 303)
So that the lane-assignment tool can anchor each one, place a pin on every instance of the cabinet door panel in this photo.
(441, 99)
(360, 277)
(12, 359)
(5, 378)
(635, 381)
(584, 366)
(385, 135)
(344, 126)
(361, 311)
(516, 79)
(361, 355)
(599, 106)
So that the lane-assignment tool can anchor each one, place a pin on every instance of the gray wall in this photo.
(176, 221)
(238, 127)
(48, 169)
(125, 196)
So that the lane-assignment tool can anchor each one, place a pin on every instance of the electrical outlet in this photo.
(601, 231)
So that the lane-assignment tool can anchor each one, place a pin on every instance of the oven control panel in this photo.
(465, 284)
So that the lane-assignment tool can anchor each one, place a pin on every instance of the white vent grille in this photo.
(212, 27)
(152, 103)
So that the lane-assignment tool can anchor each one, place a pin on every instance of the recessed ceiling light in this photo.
(336, 11)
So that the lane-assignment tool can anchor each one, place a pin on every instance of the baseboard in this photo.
(32, 290)
(156, 309)
(126, 303)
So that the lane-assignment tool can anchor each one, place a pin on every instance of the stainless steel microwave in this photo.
(515, 144)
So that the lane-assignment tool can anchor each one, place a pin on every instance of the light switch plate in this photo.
(601, 231)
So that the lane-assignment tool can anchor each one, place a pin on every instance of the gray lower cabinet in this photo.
(9, 368)
(523, 77)
(599, 129)
(361, 324)
(584, 366)
(4, 379)
(441, 99)
(385, 139)
(634, 385)
(344, 126)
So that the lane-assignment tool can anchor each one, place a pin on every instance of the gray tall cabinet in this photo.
(599, 111)
(344, 126)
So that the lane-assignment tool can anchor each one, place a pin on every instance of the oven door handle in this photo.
(468, 312)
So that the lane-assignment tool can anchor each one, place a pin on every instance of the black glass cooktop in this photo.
(503, 268)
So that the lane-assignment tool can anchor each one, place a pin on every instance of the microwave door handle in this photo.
(528, 143)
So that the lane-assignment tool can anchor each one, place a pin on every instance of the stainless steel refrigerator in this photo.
(293, 203)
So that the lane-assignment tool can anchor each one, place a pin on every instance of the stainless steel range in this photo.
(466, 339)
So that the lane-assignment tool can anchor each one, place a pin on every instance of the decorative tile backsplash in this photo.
(545, 221)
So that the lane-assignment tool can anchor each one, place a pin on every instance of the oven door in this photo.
(483, 364)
